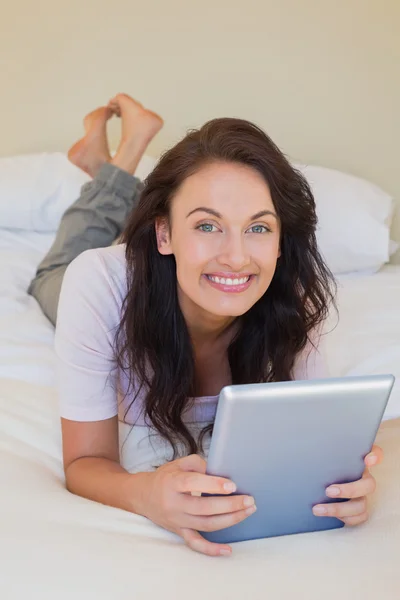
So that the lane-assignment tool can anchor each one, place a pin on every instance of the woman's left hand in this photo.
(355, 511)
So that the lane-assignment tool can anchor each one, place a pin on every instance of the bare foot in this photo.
(138, 128)
(92, 151)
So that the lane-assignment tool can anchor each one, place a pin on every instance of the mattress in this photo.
(54, 545)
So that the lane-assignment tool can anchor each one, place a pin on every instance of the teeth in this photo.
(228, 280)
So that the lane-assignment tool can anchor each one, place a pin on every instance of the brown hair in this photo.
(153, 342)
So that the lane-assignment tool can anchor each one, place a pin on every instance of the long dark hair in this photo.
(153, 343)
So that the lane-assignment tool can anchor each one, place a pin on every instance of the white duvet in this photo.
(54, 545)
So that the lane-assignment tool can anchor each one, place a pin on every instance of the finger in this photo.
(366, 473)
(375, 457)
(194, 479)
(187, 483)
(364, 486)
(193, 462)
(215, 505)
(196, 542)
(339, 510)
(357, 520)
(216, 522)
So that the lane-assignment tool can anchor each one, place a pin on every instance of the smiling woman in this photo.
(218, 280)
(225, 281)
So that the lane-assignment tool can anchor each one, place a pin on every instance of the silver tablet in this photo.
(284, 443)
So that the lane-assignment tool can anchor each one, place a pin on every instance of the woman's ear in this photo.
(163, 236)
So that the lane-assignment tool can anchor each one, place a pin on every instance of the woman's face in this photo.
(225, 235)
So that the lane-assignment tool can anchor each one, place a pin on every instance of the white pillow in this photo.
(354, 215)
(354, 220)
(36, 189)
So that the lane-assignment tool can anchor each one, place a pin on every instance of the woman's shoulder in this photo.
(88, 318)
(95, 282)
(107, 265)
(112, 258)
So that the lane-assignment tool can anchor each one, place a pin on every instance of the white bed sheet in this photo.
(54, 545)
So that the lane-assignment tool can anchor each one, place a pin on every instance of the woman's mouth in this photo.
(230, 284)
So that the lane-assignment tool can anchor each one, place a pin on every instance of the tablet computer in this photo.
(284, 443)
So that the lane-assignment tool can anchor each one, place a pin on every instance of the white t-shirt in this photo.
(91, 387)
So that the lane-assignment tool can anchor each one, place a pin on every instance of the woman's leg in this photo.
(98, 217)
(95, 220)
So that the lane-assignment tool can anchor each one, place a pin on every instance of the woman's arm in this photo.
(165, 496)
(92, 469)
(89, 313)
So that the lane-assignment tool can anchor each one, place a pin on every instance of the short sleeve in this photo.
(87, 320)
(311, 363)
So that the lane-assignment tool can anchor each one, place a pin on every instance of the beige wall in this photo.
(322, 77)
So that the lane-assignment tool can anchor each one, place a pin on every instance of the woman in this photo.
(218, 280)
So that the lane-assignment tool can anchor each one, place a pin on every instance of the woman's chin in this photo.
(227, 312)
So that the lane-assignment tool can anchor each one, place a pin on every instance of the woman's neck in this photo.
(211, 336)
(202, 335)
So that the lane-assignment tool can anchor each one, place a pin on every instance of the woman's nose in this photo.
(234, 253)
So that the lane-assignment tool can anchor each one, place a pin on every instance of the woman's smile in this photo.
(230, 282)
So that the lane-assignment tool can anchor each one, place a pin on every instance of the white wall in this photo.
(322, 77)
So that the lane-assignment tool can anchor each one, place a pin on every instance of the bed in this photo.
(56, 546)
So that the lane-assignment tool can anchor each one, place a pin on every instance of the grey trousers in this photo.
(95, 220)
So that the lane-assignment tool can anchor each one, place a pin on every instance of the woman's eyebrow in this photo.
(263, 213)
(213, 212)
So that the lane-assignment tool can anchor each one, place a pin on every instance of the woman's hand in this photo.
(355, 511)
(172, 500)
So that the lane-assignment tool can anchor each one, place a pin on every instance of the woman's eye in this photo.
(207, 227)
(259, 229)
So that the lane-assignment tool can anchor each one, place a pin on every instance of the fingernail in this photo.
(230, 487)
(332, 491)
(372, 459)
(249, 501)
(251, 510)
(319, 510)
(225, 552)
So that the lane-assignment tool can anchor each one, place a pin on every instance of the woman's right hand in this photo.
(172, 500)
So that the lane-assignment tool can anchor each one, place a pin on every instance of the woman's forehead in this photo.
(224, 187)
